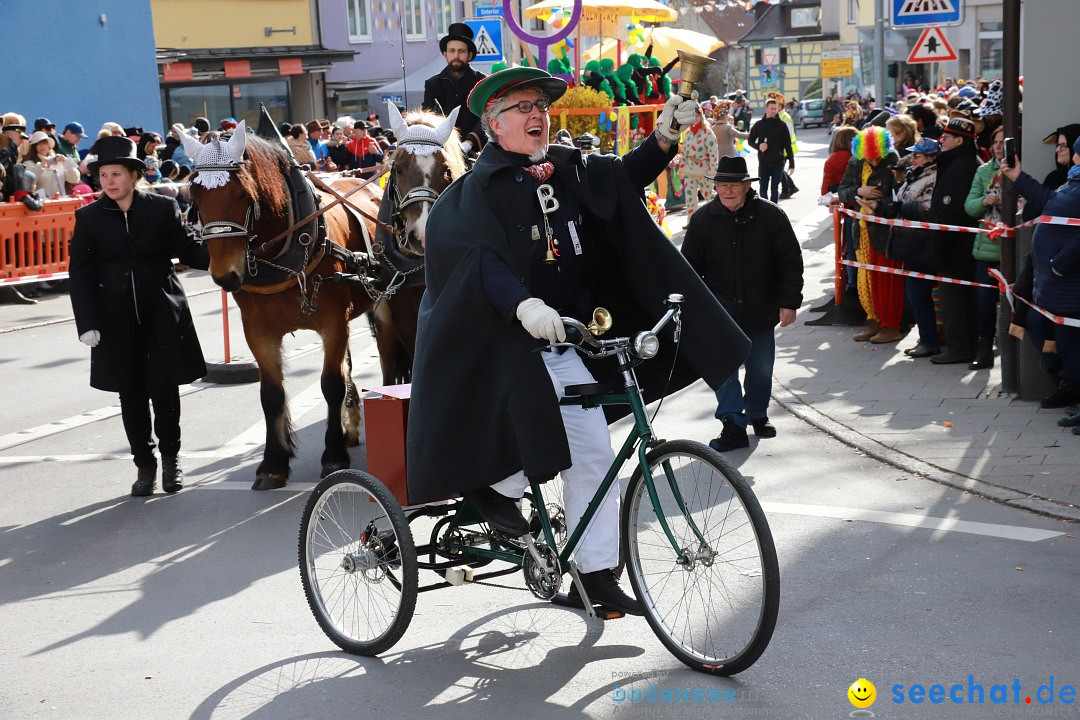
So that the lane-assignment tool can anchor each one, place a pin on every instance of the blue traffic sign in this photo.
(918, 13)
(488, 37)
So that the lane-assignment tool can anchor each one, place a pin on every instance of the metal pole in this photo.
(879, 52)
(1010, 76)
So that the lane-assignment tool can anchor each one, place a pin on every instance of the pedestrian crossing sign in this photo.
(488, 37)
(920, 13)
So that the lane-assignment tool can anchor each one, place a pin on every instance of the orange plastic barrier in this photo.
(35, 244)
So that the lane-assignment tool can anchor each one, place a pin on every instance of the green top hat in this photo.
(498, 84)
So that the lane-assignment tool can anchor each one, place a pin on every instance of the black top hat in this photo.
(732, 169)
(462, 32)
(115, 150)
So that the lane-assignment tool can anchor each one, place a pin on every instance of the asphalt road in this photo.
(191, 606)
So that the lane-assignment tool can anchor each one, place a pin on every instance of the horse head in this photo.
(428, 158)
(237, 197)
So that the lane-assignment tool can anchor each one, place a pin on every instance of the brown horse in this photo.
(428, 158)
(281, 285)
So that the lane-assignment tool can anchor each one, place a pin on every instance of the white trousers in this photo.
(591, 457)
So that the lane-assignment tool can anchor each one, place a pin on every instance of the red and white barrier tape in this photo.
(1007, 289)
(33, 278)
(912, 273)
(995, 230)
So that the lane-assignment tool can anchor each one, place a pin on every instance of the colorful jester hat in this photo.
(872, 143)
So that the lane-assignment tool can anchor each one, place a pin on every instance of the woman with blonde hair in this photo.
(904, 131)
(54, 172)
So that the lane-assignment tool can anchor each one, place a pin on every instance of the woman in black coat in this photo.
(131, 309)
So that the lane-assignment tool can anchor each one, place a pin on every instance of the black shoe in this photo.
(763, 428)
(921, 351)
(603, 588)
(1066, 395)
(1070, 421)
(144, 483)
(172, 476)
(733, 437)
(952, 358)
(499, 511)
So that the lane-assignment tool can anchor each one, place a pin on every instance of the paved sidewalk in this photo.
(946, 423)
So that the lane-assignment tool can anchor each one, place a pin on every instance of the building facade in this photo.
(95, 66)
(223, 58)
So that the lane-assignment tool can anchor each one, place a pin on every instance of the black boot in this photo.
(984, 358)
(733, 437)
(499, 511)
(1067, 394)
(602, 587)
(144, 484)
(172, 476)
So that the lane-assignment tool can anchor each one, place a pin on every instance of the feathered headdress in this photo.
(872, 143)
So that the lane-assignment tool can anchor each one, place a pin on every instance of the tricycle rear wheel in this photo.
(358, 562)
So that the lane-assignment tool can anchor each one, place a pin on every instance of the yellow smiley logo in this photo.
(862, 693)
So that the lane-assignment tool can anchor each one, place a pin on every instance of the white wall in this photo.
(1050, 56)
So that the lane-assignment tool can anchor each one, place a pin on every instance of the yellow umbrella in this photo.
(666, 44)
(601, 17)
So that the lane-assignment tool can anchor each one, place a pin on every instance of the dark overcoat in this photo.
(882, 178)
(451, 93)
(1055, 250)
(956, 171)
(750, 259)
(482, 403)
(122, 274)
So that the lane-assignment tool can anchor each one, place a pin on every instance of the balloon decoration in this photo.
(635, 32)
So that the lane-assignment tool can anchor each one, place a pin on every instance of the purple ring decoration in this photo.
(542, 43)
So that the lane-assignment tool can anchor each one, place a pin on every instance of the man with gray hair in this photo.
(535, 232)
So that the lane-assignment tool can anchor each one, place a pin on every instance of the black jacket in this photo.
(443, 91)
(121, 272)
(750, 259)
(482, 406)
(880, 177)
(775, 132)
(956, 171)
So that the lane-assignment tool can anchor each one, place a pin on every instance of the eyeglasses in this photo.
(1061, 146)
(526, 106)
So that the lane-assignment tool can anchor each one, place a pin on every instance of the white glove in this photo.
(466, 145)
(541, 321)
(679, 109)
(90, 338)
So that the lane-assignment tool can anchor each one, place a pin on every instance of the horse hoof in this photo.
(333, 468)
(271, 481)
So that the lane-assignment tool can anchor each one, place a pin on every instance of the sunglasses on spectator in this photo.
(526, 106)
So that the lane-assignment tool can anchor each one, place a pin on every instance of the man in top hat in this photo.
(535, 232)
(451, 87)
(744, 248)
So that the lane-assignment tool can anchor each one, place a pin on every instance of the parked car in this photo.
(811, 112)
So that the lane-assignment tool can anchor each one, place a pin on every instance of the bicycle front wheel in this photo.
(716, 609)
(358, 562)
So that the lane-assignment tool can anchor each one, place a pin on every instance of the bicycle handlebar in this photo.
(605, 348)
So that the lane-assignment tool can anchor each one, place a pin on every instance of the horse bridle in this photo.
(418, 194)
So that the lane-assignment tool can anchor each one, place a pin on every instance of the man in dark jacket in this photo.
(771, 138)
(130, 308)
(532, 233)
(744, 249)
(957, 164)
(451, 87)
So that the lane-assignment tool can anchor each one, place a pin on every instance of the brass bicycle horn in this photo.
(601, 322)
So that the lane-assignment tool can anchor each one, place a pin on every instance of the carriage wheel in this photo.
(716, 609)
(358, 562)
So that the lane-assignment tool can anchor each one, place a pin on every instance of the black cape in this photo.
(482, 404)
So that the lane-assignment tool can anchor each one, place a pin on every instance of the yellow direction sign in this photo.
(836, 63)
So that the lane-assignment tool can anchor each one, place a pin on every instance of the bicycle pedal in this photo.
(605, 613)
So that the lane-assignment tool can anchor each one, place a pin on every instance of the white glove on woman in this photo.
(90, 338)
(679, 109)
(540, 320)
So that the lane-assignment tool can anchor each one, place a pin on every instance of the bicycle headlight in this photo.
(646, 345)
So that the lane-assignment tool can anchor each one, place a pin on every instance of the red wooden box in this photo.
(386, 416)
